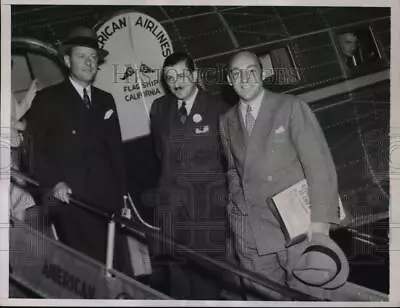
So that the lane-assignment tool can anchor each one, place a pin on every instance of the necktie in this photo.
(250, 120)
(183, 112)
(86, 99)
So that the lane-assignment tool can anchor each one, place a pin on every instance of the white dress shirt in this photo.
(79, 89)
(189, 102)
(255, 105)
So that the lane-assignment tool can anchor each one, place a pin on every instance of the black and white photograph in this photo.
(198, 152)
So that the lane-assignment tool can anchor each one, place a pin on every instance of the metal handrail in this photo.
(20, 284)
(142, 233)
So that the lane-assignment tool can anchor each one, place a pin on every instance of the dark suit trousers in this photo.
(192, 282)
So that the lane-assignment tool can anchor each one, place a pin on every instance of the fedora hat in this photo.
(322, 263)
(82, 36)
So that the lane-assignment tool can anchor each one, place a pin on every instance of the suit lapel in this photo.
(199, 106)
(171, 109)
(73, 104)
(262, 127)
(95, 102)
(98, 105)
(239, 133)
(70, 94)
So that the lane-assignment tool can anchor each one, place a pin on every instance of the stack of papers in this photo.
(294, 211)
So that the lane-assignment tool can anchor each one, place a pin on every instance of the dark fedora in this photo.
(322, 263)
(82, 36)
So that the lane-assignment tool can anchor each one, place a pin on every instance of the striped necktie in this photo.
(183, 112)
(250, 120)
(86, 99)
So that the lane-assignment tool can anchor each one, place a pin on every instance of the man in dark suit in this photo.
(74, 137)
(273, 141)
(192, 185)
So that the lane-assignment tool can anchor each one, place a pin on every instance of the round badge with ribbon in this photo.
(197, 118)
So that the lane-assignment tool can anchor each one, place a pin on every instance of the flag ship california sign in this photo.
(137, 46)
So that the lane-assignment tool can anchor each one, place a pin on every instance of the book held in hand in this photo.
(292, 206)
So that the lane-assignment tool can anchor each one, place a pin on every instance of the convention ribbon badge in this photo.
(137, 45)
(197, 118)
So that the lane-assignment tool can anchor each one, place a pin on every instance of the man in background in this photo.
(348, 43)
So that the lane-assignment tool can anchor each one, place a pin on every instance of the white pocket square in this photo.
(108, 114)
(280, 130)
(202, 130)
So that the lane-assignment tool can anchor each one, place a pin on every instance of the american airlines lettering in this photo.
(68, 281)
(109, 30)
(160, 35)
(137, 45)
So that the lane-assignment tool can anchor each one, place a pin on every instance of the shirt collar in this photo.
(190, 101)
(79, 88)
(255, 104)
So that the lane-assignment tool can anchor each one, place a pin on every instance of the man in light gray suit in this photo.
(272, 141)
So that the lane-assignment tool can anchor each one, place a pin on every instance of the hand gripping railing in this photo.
(141, 233)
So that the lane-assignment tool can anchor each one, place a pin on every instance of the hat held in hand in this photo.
(82, 36)
(322, 263)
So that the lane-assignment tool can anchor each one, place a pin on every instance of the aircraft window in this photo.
(357, 48)
(279, 67)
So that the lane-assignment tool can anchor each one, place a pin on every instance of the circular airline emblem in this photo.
(137, 45)
(197, 118)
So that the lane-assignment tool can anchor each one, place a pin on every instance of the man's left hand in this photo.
(318, 227)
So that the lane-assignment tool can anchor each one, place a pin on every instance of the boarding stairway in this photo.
(42, 267)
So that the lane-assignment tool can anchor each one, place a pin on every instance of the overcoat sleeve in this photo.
(234, 187)
(317, 163)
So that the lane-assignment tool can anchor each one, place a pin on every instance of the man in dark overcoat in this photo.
(75, 146)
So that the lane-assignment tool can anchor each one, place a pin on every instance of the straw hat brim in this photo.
(323, 263)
